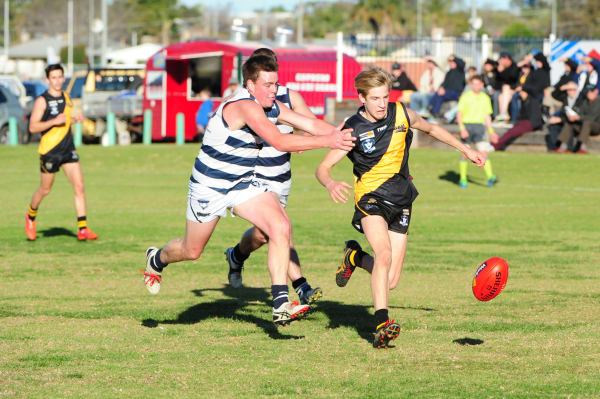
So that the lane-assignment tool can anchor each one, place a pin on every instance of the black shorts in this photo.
(396, 216)
(52, 161)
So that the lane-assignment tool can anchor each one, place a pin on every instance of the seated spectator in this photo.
(558, 95)
(430, 80)
(488, 73)
(557, 120)
(204, 111)
(515, 101)
(529, 120)
(588, 77)
(506, 81)
(401, 80)
(582, 122)
(452, 86)
(537, 80)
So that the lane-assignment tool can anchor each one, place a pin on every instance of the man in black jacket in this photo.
(582, 123)
(451, 87)
(401, 80)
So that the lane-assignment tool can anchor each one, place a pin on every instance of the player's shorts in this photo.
(206, 204)
(396, 216)
(282, 190)
(478, 137)
(52, 161)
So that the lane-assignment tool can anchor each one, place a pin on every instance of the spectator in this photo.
(506, 81)
(204, 111)
(475, 118)
(450, 115)
(588, 77)
(401, 80)
(556, 121)
(515, 101)
(452, 86)
(489, 72)
(558, 95)
(581, 123)
(539, 79)
(529, 120)
(430, 80)
(233, 85)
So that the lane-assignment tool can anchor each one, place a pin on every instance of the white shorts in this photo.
(282, 191)
(206, 204)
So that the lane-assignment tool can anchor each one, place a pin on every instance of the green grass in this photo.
(76, 320)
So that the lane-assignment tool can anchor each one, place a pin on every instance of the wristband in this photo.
(462, 127)
(491, 130)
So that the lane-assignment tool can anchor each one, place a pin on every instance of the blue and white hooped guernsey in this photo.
(273, 165)
(227, 158)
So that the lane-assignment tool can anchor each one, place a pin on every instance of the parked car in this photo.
(9, 107)
(17, 88)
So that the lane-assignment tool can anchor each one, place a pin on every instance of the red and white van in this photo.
(178, 72)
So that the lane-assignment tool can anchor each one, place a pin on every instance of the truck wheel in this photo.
(4, 135)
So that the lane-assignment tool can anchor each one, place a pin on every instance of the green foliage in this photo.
(518, 30)
(79, 55)
(323, 18)
(77, 321)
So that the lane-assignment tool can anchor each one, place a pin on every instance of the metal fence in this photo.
(383, 52)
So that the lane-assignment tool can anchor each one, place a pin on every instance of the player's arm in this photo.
(464, 133)
(35, 121)
(312, 126)
(338, 190)
(441, 134)
(490, 129)
(249, 113)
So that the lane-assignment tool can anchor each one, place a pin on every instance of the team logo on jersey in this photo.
(400, 129)
(53, 105)
(367, 140)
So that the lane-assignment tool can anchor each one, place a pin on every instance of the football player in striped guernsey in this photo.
(223, 179)
(383, 189)
(274, 169)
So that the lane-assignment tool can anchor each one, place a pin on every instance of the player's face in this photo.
(476, 85)
(264, 89)
(56, 79)
(376, 102)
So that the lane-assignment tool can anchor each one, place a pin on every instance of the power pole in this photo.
(91, 34)
(6, 31)
(70, 39)
(300, 28)
(419, 18)
(104, 32)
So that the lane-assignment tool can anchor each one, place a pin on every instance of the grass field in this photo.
(76, 320)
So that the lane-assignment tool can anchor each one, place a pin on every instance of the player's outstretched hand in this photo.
(338, 190)
(341, 138)
(476, 157)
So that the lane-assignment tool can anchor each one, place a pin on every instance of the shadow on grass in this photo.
(57, 231)
(358, 317)
(454, 178)
(468, 341)
(235, 308)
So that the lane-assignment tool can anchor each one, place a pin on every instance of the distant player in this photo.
(223, 178)
(474, 117)
(383, 190)
(51, 117)
(273, 169)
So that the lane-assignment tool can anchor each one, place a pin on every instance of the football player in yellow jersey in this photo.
(51, 117)
(383, 190)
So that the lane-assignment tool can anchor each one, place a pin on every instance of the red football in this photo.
(490, 279)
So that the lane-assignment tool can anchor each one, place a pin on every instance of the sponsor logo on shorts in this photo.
(203, 204)
(406, 212)
(49, 165)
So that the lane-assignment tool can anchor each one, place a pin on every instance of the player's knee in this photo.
(383, 258)
(44, 191)
(192, 253)
(280, 230)
(78, 188)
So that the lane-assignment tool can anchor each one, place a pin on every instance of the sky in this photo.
(241, 6)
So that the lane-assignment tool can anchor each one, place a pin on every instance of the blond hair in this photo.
(371, 78)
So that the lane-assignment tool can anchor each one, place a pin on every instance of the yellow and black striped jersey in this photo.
(57, 137)
(380, 156)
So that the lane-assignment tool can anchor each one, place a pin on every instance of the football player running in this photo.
(383, 190)
(273, 169)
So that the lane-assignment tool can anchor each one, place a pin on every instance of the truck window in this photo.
(77, 87)
(117, 82)
(205, 73)
(2, 97)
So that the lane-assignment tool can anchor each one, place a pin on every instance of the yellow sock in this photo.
(462, 167)
(487, 168)
(32, 213)
(81, 222)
